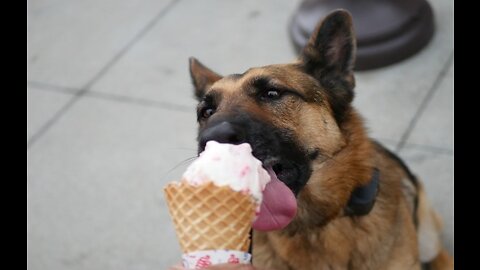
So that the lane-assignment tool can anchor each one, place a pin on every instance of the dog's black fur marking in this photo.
(409, 173)
(270, 144)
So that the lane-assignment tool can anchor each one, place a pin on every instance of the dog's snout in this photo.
(223, 132)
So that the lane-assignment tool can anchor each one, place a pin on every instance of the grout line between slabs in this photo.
(429, 148)
(423, 147)
(423, 105)
(51, 121)
(137, 37)
(53, 88)
(113, 97)
(140, 101)
(99, 74)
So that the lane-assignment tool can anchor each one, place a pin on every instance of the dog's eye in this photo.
(207, 112)
(271, 95)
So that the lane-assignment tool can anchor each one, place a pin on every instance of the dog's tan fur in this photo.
(401, 232)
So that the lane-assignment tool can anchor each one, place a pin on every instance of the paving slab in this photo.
(435, 126)
(69, 42)
(41, 106)
(94, 187)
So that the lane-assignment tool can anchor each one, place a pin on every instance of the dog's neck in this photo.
(362, 198)
(344, 185)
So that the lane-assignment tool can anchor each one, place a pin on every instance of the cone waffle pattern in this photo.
(210, 217)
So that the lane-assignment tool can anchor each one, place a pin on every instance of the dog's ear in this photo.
(330, 50)
(202, 77)
(329, 57)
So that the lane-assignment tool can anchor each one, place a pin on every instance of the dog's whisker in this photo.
(182, 149)
(181, 163)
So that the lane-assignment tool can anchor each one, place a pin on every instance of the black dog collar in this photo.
(363, 198)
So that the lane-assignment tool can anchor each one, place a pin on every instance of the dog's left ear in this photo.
(202, 77)
(331, 48)
(329, 56)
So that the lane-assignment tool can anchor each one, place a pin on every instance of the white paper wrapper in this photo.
(205, 258)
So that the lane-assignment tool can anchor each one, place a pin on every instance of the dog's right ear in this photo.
(202, 77)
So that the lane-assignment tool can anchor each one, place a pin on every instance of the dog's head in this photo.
(297, 117)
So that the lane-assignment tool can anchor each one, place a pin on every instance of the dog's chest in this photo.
(341, 246)
(302, 252)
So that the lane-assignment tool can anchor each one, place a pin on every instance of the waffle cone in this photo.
(210, 217)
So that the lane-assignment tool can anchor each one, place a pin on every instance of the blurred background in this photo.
(111, 116)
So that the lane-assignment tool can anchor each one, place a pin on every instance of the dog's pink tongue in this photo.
(278, 208)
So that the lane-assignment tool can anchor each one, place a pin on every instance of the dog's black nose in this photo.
(223, 132)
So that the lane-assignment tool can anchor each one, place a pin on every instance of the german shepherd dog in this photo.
(359, 206)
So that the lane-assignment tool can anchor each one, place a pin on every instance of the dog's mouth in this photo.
(286, 171)
(279, 205)
(287, 174)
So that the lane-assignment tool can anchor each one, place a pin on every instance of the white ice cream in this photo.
(229, 165)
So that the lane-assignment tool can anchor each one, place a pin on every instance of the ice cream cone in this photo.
(209, 217)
